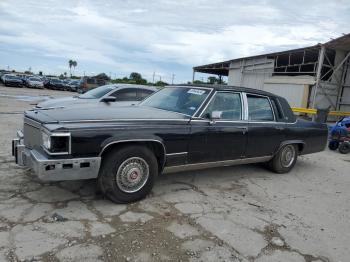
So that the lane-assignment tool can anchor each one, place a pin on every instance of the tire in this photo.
(344, 148)
(284, 160)
(333, 145)
(122, 165)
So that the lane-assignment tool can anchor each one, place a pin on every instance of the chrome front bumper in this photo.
(54, 169)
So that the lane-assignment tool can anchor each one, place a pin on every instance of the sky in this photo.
(165, 37)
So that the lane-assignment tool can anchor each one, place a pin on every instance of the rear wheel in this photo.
(128, 173)
(344, 147)
(284, 160)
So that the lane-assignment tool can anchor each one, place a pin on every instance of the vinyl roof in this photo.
(227, 87)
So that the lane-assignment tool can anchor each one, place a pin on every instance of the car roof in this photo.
(151, 88)
(226, 88)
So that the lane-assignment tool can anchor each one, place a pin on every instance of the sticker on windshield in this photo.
(196, 92)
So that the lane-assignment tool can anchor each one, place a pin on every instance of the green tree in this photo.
(135, 76)
(198, 82)
(213, 80)
(102, 76)
(161, 83)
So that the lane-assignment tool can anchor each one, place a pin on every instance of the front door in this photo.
(222, 139)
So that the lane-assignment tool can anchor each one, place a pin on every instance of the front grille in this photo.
(31, 133)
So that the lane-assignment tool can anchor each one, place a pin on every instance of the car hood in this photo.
(64, 101)
(69, 102)
(100, 112)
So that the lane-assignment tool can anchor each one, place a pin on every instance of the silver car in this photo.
(34, 82)
(122, 94)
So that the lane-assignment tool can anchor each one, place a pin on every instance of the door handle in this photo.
(279, 128)
(243, 128)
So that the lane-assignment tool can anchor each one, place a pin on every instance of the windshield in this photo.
(34, 79)
(184, 100)
(98, 92)
(12, 77)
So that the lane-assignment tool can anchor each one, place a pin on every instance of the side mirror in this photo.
(108, 99)
(215, 115)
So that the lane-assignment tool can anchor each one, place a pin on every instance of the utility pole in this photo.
(154, 73)
(172, 78)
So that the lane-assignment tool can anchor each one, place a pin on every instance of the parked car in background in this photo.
(12, 80)
(65, 84)
(74, 85)
(122, 94)
(34, 82)
(54, 83)
(178, 128)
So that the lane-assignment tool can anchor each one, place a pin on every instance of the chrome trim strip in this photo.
(205, 165)
(135, 140)
(219, 121)
(177, 154)
(204, 101)
(206, 106)
(245, 102)
(121, 120)
(30, 122)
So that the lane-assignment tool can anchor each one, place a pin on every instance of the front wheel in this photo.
(128, 173)
(333, 145)
(284, 160)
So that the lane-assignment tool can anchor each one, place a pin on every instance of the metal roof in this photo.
(222, 68)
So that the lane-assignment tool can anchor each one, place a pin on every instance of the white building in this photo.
(314, 77)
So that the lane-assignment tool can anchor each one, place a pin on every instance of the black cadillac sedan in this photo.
(177, 128)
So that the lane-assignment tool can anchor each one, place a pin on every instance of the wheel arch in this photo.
(156, 145)
(299, 143)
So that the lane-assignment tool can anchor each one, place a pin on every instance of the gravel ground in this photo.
(241, 213)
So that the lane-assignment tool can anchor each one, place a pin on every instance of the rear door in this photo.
(125, 95)
(265, 133)
(143, 93)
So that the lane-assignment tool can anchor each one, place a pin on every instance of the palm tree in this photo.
(70, 63)
(74, 64)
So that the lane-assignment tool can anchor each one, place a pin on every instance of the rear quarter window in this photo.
(287, 110)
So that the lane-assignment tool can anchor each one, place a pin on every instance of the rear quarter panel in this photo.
(314, 135)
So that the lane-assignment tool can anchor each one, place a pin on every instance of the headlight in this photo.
(46, 141)
(56, 143)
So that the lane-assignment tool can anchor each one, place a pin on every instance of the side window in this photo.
(226, 102)
(127, 94)
(259, 108)
(143, 93)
